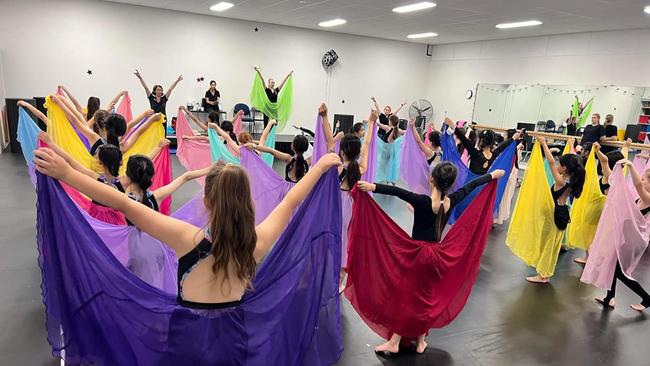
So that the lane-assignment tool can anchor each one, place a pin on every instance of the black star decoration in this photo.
(257, 29)
(89, 72)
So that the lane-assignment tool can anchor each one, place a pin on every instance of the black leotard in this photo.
(289, 167)
(149, 201)
(430, 160)
(96, 146)
(115, 183)
(427, 225)
(185, 265)
(561, 214)
(477, 159)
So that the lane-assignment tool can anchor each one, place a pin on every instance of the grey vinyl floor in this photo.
(506, 321)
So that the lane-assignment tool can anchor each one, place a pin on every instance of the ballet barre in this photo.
(556, 136)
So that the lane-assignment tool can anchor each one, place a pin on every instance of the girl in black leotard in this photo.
(297, 166)
(140, 172)
(481, 158)
(642, 185)
(354, 155)
(569, 179)
(430, 212)
(213, 272)
(432, 153)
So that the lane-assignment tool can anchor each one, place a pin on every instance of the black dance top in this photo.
(272, 94)
(115, 183)
(289, 167)
(149, 201)
(158, 107)
(476, 158)
(99, 143)
(186, 264)
(427, 225)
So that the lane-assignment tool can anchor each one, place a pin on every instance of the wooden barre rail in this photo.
(565, 137)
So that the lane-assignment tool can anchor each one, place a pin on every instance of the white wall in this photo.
(599, 58)
(47, 43)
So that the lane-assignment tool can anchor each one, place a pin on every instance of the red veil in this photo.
(405, 286)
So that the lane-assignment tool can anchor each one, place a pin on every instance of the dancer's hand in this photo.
(43, 136)
(322, 110)
(137, 73)
(373, 99)
(256, 68)
(373, 116)
(450, 123)
(595, 146)
(123, 93)
(516, 136)
(250, 146)
(163, 143)
(22, 103)
(156, 116)
(498, 173)
(274, 122)
(627, 143)
(327, 161)
(571, 141)
(50, 163)
(149, 112)
(183, 108)
(180, 78)
(541, 140)
(365, 186)
(412, 122)
(625, 162)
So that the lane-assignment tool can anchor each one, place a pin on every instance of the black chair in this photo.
(550, 126)
(247, 118)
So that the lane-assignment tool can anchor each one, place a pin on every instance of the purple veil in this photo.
(98, 312)
(504, 161)
(267, 187)
(414, 168)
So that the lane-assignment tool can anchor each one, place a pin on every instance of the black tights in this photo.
(631, 284)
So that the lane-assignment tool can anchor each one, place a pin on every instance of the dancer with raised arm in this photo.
(157, 98)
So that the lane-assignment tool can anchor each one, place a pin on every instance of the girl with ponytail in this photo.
(107, 128)
(569, 176)
(140, 172)
(297, 165)
(481, 156)
(430, 217)
(354, 156)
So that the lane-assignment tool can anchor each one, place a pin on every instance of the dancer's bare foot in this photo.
(611, 304)
(581, 260)
(389, 347)
(638, 307)
(421, 346)
(537, 279)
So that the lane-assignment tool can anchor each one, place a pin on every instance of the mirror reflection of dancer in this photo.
(384, 117)
(271, 91)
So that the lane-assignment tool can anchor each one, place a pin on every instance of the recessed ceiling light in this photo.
(422, 35)
(527, 23)
(221, 6)
(332, 23)
(647, 9)
(414, 7)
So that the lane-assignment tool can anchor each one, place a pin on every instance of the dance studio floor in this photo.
(506, 321)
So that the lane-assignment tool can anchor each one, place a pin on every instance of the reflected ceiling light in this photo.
(414, 7)
(647, 9)
(422, 35)
(332, 23)
(527, 23)
(222, 6)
